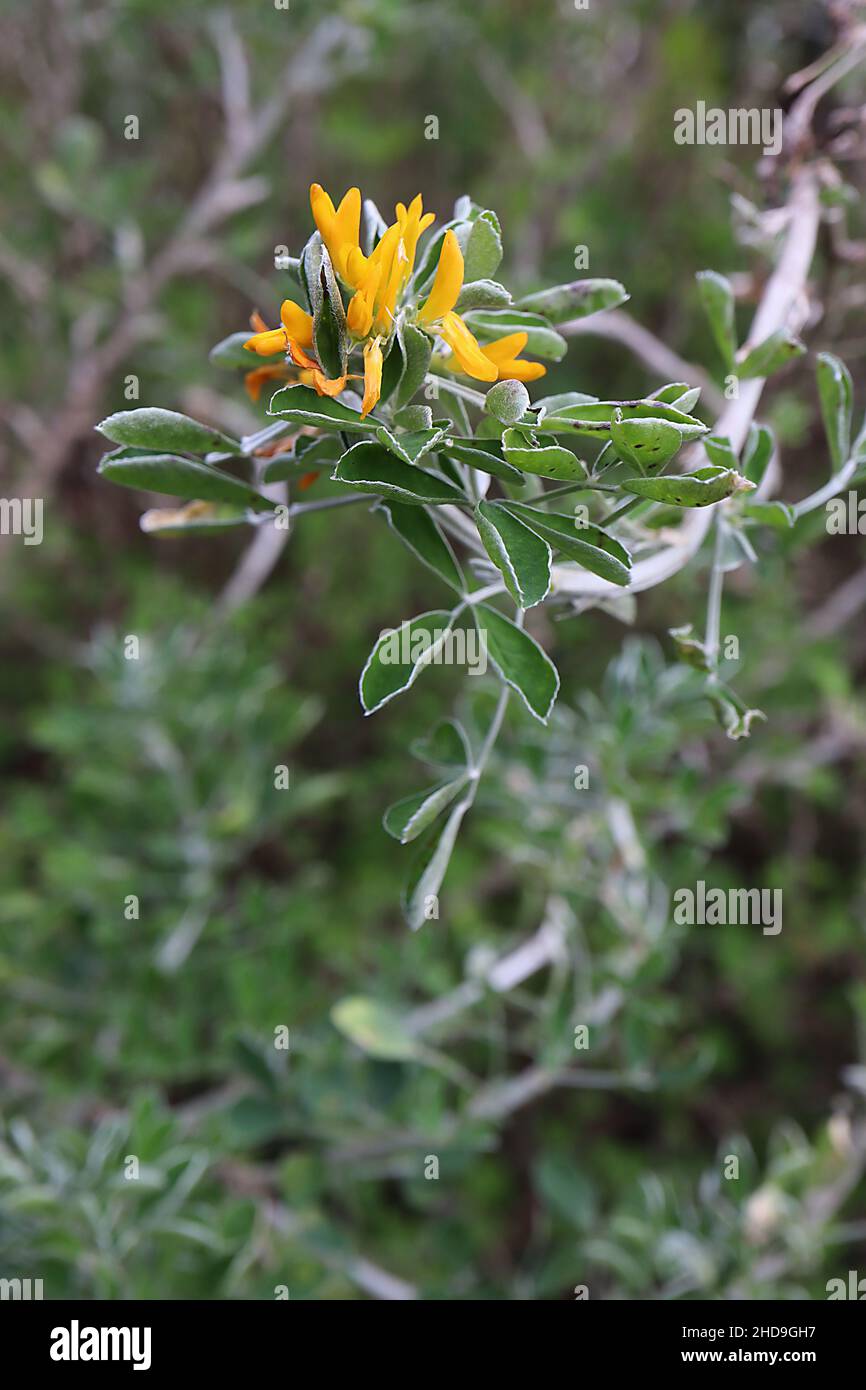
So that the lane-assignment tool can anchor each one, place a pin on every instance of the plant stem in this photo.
(624, 510)
(714, 600)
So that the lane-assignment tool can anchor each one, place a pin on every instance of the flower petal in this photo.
(465, 348)
(372, 376)
(448, 282)
(297, 323)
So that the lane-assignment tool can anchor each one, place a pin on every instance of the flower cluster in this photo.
(378, 286)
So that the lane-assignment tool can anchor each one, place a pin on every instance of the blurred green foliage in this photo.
(152, 1036)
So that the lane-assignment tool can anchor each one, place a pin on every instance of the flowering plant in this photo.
(371, 370)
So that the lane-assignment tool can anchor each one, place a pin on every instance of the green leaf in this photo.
(370, 468)
(481, 246)
(484, 455)
(564, 401)
(717, 297)
(697, 489)
(417, 349)
(407, 819)
(595, 418)
(413, 445)
(576, 300)
(519, 660)
(835, 391)
(308, 453)
(507, 401)
(415, 417)
(758, 452)
(180, 477)
(719, 451)
(446, 746)
(776, 514)
(646, 443)
(771, 355)
(301, 406)
(483, 294)
(400, 655)
(430, 866)
(375, 1028)
(541, 341)
(329, 322)
(545, 459)
(311, 264)
(418, 530)
(165, 431)
(195, 518)
(690, 649)
(520, 554)
(590, 546)
(232, 353)
(733, 716)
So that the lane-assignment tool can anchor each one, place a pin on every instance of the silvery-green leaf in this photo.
(690, 649)
(413, 445)
(520, 554)
(564, 401)
(835, 391)
(776, 514)
(719, 451)
(429, 867)
(407, 819)
(418, 530)
(375, 1028)
(591, 547)
(417, 349)
(369, 467)
(545, 459)
(329, 322)
(481, 245)
(484, 455)
(519, 660)
(679, 394)
(180, 477)
(699, 489)
(594, 418)
(300, 405)
(770, 356)
(647, 443)
(164, 431)
(483, 294)
(736, 720)
(717, 297)
(507, 401)
(414, 417)
(758, 452)
(576, 300)
(400, 655)
(446, 746)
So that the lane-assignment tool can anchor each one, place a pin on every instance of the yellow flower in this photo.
(438, 312)
(339, 229)
(380, 278)
(297, 327)
(372, 375)
(502, 352)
